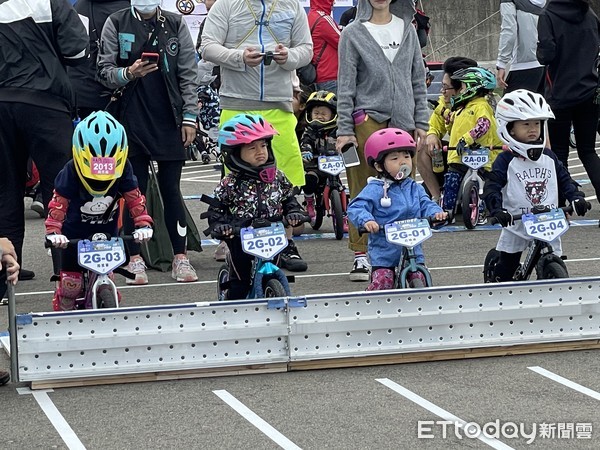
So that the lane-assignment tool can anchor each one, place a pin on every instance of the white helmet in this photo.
(523, 105)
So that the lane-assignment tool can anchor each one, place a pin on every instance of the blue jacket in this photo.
(409, 201)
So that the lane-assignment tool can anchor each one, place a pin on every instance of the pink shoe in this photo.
(310, 207)
(345, 223)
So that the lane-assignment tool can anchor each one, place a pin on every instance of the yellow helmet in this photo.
(99, 152)
(322, 98)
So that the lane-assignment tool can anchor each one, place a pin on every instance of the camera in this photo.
(268, 58)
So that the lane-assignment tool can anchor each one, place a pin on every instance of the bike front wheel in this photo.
(105, 297)
(273, 288)
(489, 266)
(338, 214)
(470, 204)
(550, 268)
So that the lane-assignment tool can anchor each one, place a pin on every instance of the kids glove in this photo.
(58, 240)
(222, 230)
(580, 206)
(143, 234)
(461, 146)
(295, 216)
(504, 218)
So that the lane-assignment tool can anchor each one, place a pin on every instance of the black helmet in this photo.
(322, 98)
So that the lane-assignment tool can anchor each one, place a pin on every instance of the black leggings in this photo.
(315, 182)
(169, 177)
(584, 117)
(508, 263)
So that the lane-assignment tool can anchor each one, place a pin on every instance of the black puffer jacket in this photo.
(568, 40)
(89, 92)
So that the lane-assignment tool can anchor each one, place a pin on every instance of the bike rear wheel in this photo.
(470, 204)
(274, 288)
(338, 214)
(222, 279)
(551, 267)
(489, 266)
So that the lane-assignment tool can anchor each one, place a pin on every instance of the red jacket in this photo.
(326, 32)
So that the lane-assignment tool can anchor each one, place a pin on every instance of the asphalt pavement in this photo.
(396, 406)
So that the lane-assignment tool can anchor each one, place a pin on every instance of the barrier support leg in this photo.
(12, 329)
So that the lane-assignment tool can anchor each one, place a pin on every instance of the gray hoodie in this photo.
(393, 91)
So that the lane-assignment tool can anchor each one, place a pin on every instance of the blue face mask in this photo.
(145, 6)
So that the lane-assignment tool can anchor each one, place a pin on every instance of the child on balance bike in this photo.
(392, 196)
(85, 200)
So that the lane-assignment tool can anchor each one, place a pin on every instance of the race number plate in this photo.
(547, 226)
(101, 256)
(265, 242)
(332, 165)
(476, 158)
(408, 233)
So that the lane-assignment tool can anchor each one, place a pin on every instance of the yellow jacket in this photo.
(465, 120)
(441, 119)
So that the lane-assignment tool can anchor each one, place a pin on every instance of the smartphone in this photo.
(150, 57)
(272, 53)
(350, 155)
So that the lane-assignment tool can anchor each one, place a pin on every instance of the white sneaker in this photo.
(183, 271)
(137, 266)
(361, 269)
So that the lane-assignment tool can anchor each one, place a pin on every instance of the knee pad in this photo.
(381, 279)
(70, 286)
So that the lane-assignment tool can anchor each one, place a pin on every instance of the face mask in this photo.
(145, 6)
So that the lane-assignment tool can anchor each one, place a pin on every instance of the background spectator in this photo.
(568, 46)
(158, 109)
(34, 48)
(371, 98)
(90, 95)
(517, 46)
(326, 37)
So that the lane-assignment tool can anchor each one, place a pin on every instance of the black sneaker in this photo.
(290, 259)
(4, 377)
(26, 275)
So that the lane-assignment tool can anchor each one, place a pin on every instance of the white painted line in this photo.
(255, 420)
(211, 171)
(565, 382)
(591, 197)
(55, 417)
(494, 443)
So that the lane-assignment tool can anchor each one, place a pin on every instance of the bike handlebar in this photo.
(74, 242)
(566, 209)
(431, 220)
(445, 148)
(257, 223)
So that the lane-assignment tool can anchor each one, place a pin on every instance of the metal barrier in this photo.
(291, 331)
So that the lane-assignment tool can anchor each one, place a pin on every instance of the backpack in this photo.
(308, 73)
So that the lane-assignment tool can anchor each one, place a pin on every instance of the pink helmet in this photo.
(385, 141)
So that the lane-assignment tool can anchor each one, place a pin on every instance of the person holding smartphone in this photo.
(381, 84)
(158, 76)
